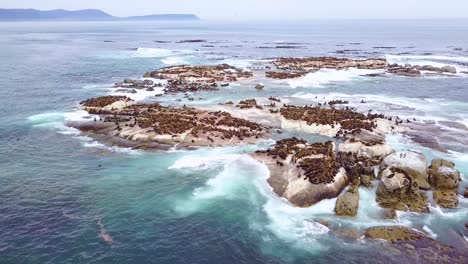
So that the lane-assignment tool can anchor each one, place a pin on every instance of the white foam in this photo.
(242, 177)
(57, 121)
(329, 76)
(244, 64)
(94, 144)
(196, 162)
(144, 52)
(430, 232)
(152, 53)
(175, 60)
(140, 94)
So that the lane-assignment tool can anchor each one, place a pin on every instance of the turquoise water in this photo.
(68, 199)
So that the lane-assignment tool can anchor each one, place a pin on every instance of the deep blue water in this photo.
(60, 193)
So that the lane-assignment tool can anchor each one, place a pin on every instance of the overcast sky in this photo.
(262, 9)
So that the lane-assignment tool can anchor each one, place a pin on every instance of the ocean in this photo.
(66, 198)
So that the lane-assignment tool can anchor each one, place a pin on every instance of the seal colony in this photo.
(304, 173)
(150, 124)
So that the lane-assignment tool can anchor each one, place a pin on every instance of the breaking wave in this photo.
(329, 76)
(57, 121)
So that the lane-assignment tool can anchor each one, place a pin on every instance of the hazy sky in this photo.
(262, 9)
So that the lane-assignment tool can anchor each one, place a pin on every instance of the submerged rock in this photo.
(347, 204)
(393, 233)
(415, 245)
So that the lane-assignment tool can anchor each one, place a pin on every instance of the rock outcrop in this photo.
(398, 190)
(304, 173)
(412, 162)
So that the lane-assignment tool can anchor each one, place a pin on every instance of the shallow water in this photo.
(66, 198)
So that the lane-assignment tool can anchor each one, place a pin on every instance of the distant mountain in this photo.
(80, 15)
(58, 14)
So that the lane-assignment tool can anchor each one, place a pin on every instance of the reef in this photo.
(288, 68)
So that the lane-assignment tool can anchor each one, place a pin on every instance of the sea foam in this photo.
(324, 77)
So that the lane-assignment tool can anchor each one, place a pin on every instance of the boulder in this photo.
(443, 175)
(399, 191)
(347, 204)
(446, 198)
(465, 194)
(449, 69)
(412, 162)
